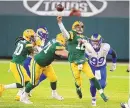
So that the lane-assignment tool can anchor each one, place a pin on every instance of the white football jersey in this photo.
(97, 59)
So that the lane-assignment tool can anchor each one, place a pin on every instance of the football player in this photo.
(77, 57)
(39, 41)
(42, 64)
(96, 52)
(24, 47)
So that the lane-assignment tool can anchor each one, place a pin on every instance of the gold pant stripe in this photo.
(20, 74)
(72, 72)
(33, 72)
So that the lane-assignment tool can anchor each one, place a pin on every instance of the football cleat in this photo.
(94, 102)
(104, 97)
(78, 90)
(56, 96)
(25, 99)
(1, 89)
(124, 105)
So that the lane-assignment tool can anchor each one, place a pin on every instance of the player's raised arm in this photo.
(62, 28)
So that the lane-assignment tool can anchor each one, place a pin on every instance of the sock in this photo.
(11, 86)
(26, 83)
(54, 92)
(97, 85)
(93, 99)
(53, 85)
(77, 86)
(29, 87)
(93, 91)
(19, 85)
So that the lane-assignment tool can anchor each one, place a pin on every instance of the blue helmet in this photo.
(95, 41)
(42, 32)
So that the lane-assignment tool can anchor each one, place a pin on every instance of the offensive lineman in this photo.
(39, 41)
(42, 64)
(24, 47)
(96, 52)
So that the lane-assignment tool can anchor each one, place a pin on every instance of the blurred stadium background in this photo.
(112, 24)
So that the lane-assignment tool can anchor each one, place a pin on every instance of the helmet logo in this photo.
(47, 7)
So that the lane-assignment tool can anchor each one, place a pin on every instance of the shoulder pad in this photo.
(106, 46)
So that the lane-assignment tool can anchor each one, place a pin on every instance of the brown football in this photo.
(59, 8)
(75, 12)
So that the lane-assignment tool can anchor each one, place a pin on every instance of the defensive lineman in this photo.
(96, 52)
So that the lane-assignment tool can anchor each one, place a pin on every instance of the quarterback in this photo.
(42, 64)
(96, 52)
(77, 57)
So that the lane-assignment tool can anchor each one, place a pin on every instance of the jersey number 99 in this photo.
(95, 61)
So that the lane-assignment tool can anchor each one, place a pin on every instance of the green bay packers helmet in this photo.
(60, 38)
(28, 34)
(78, 27)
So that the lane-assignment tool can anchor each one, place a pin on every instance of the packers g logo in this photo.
(47, 7)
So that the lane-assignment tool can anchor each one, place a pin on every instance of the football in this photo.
(75, 12)
(59, 8)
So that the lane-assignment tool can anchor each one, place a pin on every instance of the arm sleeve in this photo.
(63, 30)
(113, 54)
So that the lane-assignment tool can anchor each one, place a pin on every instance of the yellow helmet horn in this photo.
(28, 33)
(61, 39)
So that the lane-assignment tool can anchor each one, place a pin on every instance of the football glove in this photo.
(80, 67)
(113, 67)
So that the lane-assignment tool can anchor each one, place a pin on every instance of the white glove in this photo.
(113, 67)
(80, 67)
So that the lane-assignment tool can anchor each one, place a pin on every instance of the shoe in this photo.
(93, 102)
(78, 90)
(56, 96)
(1, 89)
(24, 98)
(124, 105)
(104, 97)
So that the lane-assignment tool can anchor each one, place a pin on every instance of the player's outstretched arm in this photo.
(63, 53)
(62, 28)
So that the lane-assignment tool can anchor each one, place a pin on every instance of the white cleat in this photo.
(93, 102)
(56, 96)
(26, 101)
(24, 98)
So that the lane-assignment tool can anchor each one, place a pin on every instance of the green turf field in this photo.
(116, 90)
